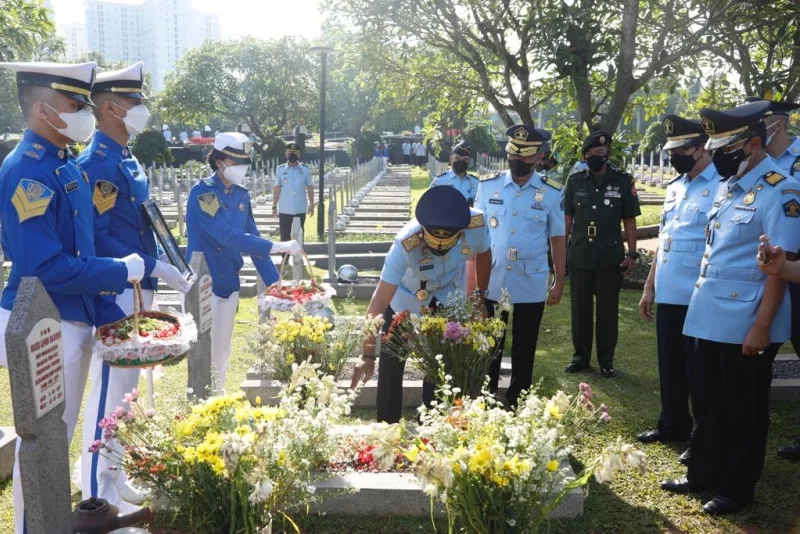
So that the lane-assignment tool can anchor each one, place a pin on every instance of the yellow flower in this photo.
(499, 480)
(479, 462)
(258, 400)
(282, 457)
(552, 465)
(554, 411)
(412, 454)
(189, 455)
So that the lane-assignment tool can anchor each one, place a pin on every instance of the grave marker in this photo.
(35, 364)
(198, 303)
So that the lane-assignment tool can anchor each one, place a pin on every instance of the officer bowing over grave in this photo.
(220, 223)
(675, 269)
(120, 187)
(458, 176)
(597, 198)
(739, 316)
(524, 211)
(47, 220)
(424, 265)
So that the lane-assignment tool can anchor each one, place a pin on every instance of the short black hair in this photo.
(213, 157)
(28, 96)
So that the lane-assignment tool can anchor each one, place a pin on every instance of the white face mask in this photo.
(236, 174)
(136, 118)
(770, 136)
(80, 125)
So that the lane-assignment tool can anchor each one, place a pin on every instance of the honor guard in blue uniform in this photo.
(424, 265)
(47, 220)
(293, 194)
(786, 152)
(120, 187)
(524, 212)
(681, 243)
(458, 176)
(220, 224)
(734, 355)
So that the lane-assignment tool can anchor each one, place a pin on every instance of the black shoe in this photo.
(651, 436)
(725, 505)
(608, 372)
(790, 452)
(576, 367)
(681, 486)
(685, 456)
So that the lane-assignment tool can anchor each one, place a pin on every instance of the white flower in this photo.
(511, 522)
(261, 492)
(431, 490)
(311, 489)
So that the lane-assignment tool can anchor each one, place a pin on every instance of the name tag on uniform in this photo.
(612, 194)
(495, 201)
(537, 206)
(581, 193)
(70, 187)
(426, 267)
(743, 208)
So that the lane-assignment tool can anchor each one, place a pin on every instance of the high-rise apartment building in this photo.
(74, 35)
(157, 32)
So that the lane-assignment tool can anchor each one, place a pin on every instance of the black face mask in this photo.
(728, 164)
(596, 162)
(438, 252)
(519, 168)
(682, 163)
(293, 158)
(460, 166)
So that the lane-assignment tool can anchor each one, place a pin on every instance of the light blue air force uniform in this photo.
(293, 182)
(681, 236)
(467, 186)
(521, 220)
(220, 224)
(48, 220)
(728, 292)
(410, 265)
(789, 161)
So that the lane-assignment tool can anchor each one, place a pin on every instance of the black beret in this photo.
(594, 140)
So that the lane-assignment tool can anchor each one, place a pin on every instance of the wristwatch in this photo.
(633, 254)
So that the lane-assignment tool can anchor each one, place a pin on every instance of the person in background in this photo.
(422, 151)
(675, 270)
(424, 265)
(121, 228)
(524, 211)
(772, 261)
(47, 221)
(739, 316)
(457, 176)
(293, 194)
(406, 147)
(167, 133)
(220, 224)
(414, 149)
(597, 201)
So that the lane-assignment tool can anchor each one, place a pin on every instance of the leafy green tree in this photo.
(567, 145)
(150, 148)
(480, 138)
(654, 138)
(362, 147)
(24, 26)
(261, 83)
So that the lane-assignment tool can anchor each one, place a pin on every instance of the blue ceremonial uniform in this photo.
(763, 201)
(293, 182)
(47, 219)
(220, 224)
(681, 238)
(410, 265)
(467, 186)
(120, 187)
(521, 220)
(789, 161)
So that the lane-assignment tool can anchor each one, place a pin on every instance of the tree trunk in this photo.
(583, 94)
(624, 85)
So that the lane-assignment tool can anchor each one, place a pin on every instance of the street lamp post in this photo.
(323, 52)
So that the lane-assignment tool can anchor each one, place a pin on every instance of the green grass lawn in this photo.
(631, 504)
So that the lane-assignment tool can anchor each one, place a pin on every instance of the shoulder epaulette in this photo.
(473, 176)
(555, 184)
(411, 242)
(477, 221)
(675, 179)
(34, 151)
(486, 179)
(579, 172)
(621, 172)
(99, 152)
(442, 173)
(773, 178)
(209, 182)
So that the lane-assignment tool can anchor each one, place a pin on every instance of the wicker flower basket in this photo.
(131, 350)
(282, 296)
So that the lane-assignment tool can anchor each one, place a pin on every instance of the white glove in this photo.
(135, 265)
(292, 247)
(171, 276)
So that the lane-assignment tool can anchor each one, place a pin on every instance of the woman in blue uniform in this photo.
(220, 224)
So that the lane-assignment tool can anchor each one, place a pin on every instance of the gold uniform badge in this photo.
(105, 196)
(31, 199)
(209, 203)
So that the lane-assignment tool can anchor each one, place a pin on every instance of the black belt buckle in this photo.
(592, 231)
(703, 270)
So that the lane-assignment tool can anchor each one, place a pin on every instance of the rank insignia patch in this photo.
(105, 196)
(476, 221)
(773, 178)
(31, 199)
(792, 209)
(209, 203)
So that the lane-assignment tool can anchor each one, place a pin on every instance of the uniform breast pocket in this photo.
(742, 226)
(668, 211)
(535, 221)
(496, 214)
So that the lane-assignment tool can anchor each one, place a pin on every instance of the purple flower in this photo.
(149, 413)
(604, 408)
(586, 391)
(605, 417)
(455, 333)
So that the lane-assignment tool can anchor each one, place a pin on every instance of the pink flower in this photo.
(454, 332)
(586, 391)
(605, 417)
(149, 413)
(133, 396)
(604, 408)
(129, 417)
(96, 446)
(119, 411)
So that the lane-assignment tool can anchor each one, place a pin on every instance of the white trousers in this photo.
(108, 385)
(223, 315)
(77, 344)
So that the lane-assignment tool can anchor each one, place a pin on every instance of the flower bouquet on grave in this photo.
(501, 471)
(283, 295)
(454, 335)
(281, 343)
(146, 338)
(224, 465)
